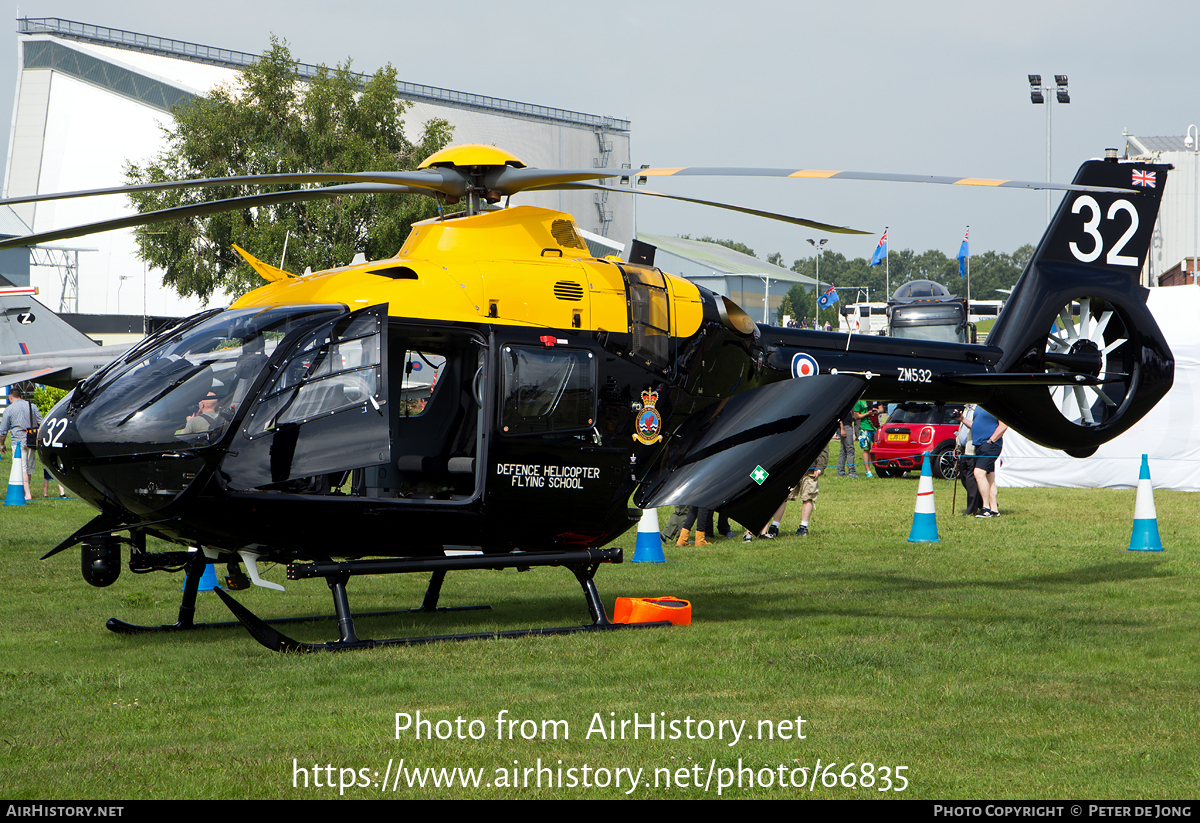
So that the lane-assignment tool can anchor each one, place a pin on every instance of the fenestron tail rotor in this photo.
(1081, 338)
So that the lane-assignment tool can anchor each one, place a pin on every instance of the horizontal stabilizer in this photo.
(1018, 379)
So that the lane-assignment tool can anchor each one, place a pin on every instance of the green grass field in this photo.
(1025, 657)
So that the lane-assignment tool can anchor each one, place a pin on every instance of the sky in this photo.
(915, 88)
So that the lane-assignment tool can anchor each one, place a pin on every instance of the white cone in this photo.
(1145, 519)
(16, 478)
(924, 527)
(649, 544)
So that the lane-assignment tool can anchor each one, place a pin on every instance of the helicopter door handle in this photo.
(477, 388)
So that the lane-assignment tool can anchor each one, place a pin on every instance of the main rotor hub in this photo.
(1089, 353)
(471, 154)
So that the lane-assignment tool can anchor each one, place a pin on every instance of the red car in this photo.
(912, 430)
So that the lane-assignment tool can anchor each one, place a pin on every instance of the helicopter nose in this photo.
(106, 474)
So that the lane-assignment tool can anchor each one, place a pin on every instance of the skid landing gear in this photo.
(187, 607)
(583, 563)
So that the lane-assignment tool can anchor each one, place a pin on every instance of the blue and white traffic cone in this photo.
(649, 544)
(16, 479)
(924, 527)
(1145, 520)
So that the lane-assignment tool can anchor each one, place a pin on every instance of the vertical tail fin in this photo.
(1078, 307)
(28, 327)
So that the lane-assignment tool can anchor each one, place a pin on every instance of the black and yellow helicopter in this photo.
(565, 384)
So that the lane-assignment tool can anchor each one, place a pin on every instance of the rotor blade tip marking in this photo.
(979, 181)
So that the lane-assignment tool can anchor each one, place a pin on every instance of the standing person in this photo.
(674, 524)
(867, 416)
(987, 434)
(23, 419)
(847, 434)
(809, 489)
(704, 526)
(62, 493)
(966, 460)
(723, 527)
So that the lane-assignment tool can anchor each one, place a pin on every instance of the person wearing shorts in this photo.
(987, 434)
(808, 490)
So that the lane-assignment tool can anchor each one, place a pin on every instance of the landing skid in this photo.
(187, 608)
(583, 563)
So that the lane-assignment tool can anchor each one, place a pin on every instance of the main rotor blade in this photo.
(509, 181)
(446, 181)
(211, 207)
(770, 215)
(701, 171)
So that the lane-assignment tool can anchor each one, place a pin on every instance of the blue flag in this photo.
(963, 254)
(880, 250)
(827, 299)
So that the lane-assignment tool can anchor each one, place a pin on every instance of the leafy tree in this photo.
(729, 244)
(989, 271)
(45, 397)
(271, 122)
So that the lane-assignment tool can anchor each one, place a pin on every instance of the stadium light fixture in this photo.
(1037, 95)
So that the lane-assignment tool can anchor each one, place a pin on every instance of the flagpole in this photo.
(887, 274)
(818, 245)
(968, 277)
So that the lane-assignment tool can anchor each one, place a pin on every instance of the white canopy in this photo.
(1169, 434)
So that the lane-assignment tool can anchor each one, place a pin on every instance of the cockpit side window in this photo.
(649, 316)
(337, 367)
(547, 390)
(421, 372)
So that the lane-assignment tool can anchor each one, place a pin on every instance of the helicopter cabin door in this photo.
(438, 381)
(322, 413)
(549, 452)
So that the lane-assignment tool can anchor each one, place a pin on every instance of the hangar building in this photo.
(1176, 241)
(91, 98)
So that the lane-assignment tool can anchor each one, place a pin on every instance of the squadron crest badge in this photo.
(648, 425)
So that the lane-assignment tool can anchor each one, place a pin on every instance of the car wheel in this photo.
(886, 472)
(943, 461)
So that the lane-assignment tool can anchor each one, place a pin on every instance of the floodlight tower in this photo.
(1038, 96)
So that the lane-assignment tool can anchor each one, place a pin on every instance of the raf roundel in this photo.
(804, 365)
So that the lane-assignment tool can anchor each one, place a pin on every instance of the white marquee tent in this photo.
(1169, 434)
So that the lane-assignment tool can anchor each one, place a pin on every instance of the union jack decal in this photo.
(1143, 178)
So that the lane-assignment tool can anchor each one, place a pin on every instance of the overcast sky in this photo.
(909, 87)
